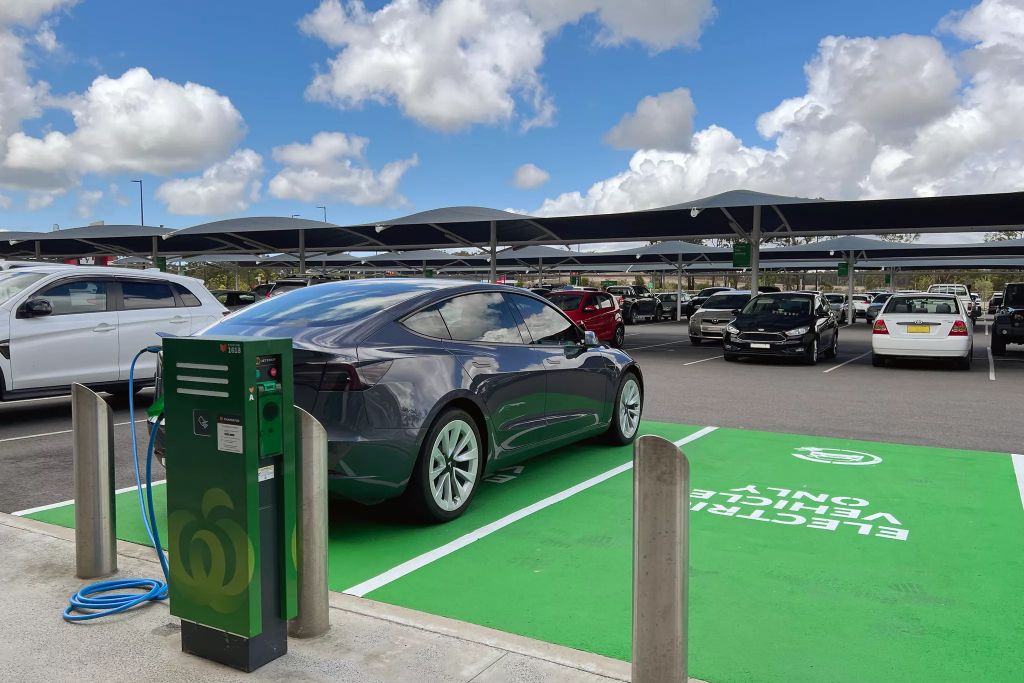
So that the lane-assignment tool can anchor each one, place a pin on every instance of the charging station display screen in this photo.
(268, 368)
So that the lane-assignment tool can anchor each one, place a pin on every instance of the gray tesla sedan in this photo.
(425, 386)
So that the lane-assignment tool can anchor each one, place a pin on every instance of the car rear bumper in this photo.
(946, 347)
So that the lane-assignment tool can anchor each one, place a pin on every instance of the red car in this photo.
(595, 311)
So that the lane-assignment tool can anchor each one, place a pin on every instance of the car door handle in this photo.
(104, 327)
(552, 361)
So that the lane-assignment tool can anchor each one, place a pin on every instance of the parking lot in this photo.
(912, 558)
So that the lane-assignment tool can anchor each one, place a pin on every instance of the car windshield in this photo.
(835, 298)
(566, 302)
(786, 305)
(934, 305)
(13, 283)
(881, 298)
(727, 301)
(708, 291)
(1013, 298)
(642, 291)
(329, 305)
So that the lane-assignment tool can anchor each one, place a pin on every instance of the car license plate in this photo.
(760, 346)
(919, 329)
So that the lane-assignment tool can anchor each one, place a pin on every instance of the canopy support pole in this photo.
(302, 251)
(155, 250)
(39, 251)
(679, 288)
(849, 295)
(755, 252)
(494, 252)
(237, 269)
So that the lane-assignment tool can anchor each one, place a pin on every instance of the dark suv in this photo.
(1008, 325)
(786, 324)
(637, 303)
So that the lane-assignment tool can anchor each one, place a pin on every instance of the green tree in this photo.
(1001, 236)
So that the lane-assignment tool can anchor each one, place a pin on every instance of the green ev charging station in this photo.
(231, 495)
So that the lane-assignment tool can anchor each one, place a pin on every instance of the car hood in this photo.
(714, 313)
(770, 323)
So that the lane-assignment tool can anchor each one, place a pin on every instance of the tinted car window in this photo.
(329, 305)
(923, 304)
(139, 295)
(545, 324)
(881, 298)
(1014, 296)
(727, 301)
(428, 323)
(77, 297)
(483, 317)
(779, 305)
(567, 302)
(604, 301)
(187, 297)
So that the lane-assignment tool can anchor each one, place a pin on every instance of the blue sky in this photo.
(751, 57)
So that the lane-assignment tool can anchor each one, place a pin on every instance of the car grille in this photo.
(761, 336)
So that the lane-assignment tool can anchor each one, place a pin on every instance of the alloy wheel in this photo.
(454, 461)
(629, 408)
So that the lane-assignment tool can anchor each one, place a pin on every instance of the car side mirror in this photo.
(35, 308)
(590, 339)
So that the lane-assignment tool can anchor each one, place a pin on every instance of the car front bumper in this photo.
(789, 347)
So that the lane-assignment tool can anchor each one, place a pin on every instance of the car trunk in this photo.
(919, 325)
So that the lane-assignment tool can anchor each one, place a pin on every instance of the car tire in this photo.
(965, 362)
(658, 313)
(627, 316)
(877, 360)
(810, 356)
(998, 346)
(834, 350)
(731, 357)
(623, 429)
(619, 338)
(435, 501)
(696, 341)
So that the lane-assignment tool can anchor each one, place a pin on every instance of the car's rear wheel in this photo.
(619, 338)
(695, 340)
(627, 316)
(964, 363)
(658, 313)
(629, 405)
(810, 356)
(447, 472)
(998, 346)
(877, 360)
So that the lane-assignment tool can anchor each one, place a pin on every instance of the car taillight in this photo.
(879, 327)
(341, 376)
(959, 329)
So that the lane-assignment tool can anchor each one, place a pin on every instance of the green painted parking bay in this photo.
(811, 558)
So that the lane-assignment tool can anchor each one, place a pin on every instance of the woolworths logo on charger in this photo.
(835, 456)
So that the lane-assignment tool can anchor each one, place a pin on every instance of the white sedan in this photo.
(923, 326)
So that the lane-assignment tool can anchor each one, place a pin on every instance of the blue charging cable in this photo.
(89, 598)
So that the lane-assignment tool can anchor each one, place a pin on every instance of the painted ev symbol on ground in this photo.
(835, 456)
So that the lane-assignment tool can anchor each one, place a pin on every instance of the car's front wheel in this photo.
(619, 338)
(810, 356)
(695, 340)
(834, 349)
(627, 316)
(629, 405)
(447, 472)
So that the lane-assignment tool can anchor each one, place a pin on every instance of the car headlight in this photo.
(798, 332)
(731, 329)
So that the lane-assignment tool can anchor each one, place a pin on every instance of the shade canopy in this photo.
(268, 234)
(96, 240)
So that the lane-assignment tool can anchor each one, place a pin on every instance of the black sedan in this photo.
(425, 386)
(787, 324)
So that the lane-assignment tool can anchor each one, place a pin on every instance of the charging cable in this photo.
(88, 603)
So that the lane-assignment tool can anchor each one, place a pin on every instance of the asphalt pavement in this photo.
(927, 403)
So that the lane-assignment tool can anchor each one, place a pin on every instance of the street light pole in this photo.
(142, 213)
(325, 212)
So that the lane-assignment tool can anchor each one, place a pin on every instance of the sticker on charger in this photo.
(264, 473)
(229, 434)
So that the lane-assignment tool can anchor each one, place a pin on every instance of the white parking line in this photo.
(836, 367)
(991, 365)
(423, 560)
(651, 346)
(1018, 469)
(63, 431)
(702, 360)
(64, 503)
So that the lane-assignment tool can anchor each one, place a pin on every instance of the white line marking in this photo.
(836, 367)
(1018, 469)
(63, 431)
(694, 362)
(423, 560)
(991, 365)
(986, 329)
(64, 503)
(651, 346)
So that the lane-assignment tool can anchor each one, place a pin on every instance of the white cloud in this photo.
(134, 123)
(115, 194)
(455, 63)
(529, 176)
(880, 117)
(228, 186)
(5, 202)
(332, 165)
(29, 12)
(46, 38)
(87, 201)
(41, 200)
(663, 121)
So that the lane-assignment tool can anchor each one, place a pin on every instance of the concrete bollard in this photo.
(92, 424)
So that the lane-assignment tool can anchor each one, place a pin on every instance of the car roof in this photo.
(930, 295)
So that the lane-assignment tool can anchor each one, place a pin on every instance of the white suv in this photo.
(61, 324)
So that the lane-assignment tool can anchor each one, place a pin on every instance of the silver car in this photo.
(709, 321)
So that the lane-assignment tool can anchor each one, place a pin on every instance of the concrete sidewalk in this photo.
(368, 641)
